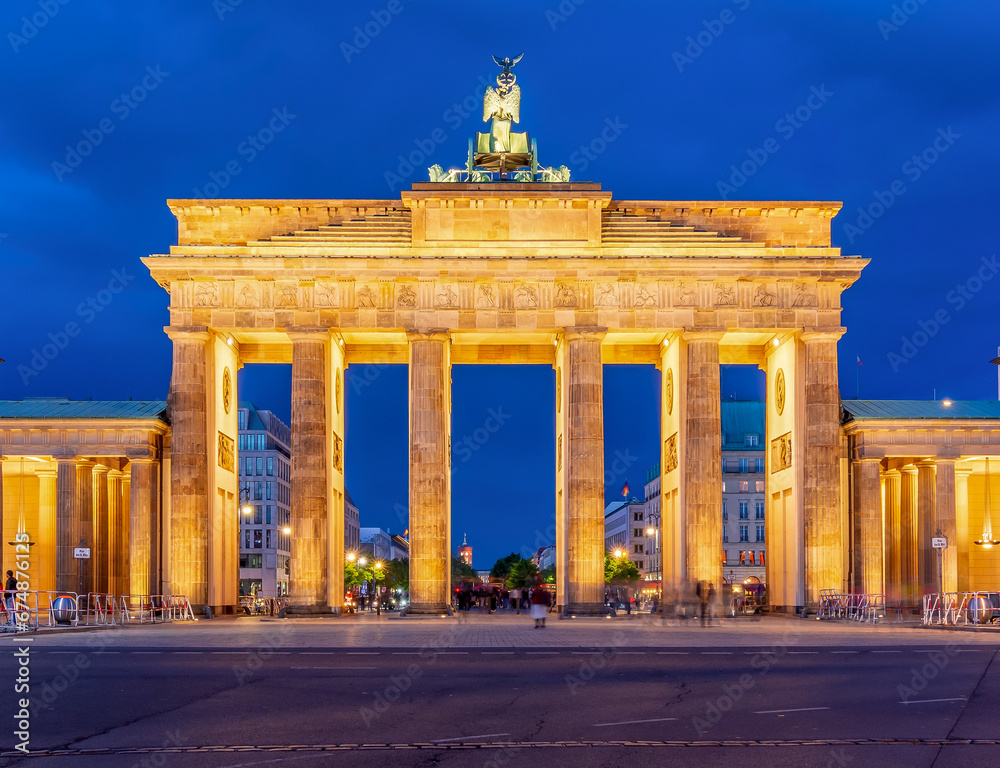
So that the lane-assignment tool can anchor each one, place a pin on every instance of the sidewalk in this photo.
(367, 631)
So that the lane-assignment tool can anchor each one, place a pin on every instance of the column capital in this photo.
(963, 471)
(703, 334)
(945, 462)
(115, 473)
(590, 332)
(187, 332)
(926, 464)
(307, 332)
(142, 460)
(101, 468)
(819, 333)
(867, 460)
(891, 473)
(440, 335)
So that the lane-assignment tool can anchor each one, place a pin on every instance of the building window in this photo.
(243, 419)
(750, 559)
(725, 535)
(639, 564)
(760, 533)
(258, 490)
(725, 515)
(744, 533)
(260, 465)
(759, 466)
(759, 485)
(744, 466)
(744, 486)
(761, 559)
(270, 465)
(743, 557)
(246, 537)
(249, 463)
(257, 539)
(268, 543)
(751, 440)
(725, 557)
(759, 511)
(269, 510)
(270, 489)
(744, 510)
(257, 514)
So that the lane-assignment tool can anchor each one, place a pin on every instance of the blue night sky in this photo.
(851, 98)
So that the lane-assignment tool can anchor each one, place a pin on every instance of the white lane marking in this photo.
(469, 738)
(844, 651)
(498, 653)
(782, 711)
(635, 722)
(453, 653)
(316, 653)
(802, 653)
(406, 653)
(146, 653)
(932, 701)
(758, 653)
(334, 667)
(672, 653)
(630, 653)
(187, 653)
(110, 651)
(63, 651)
(543, 653)
(886, 651)
(716, 653)
(363, 653)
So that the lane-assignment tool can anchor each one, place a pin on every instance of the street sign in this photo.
(81, 553)
(939, 542)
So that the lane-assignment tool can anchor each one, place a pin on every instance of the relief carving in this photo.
(227, 453)
(559, 454)
(670, 454)
(247, 297)
(803, 297)
(525, 297)
(644, 297)
(605, 295)
(366, 297)
(407, 297)
(566, 295)
(485, 299)
(338, 453)
(447, 298)
(725, 295)
(781, 452)
(763, 297)
(668, 391)
(779, 391)
(687, 295)
(324, 295)
(288, 296)
(206, 295)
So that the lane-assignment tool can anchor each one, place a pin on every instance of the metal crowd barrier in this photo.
(100, 610)
(154, 609)
(262, 606)
(869, 608)
(18, 611)
(961, 608)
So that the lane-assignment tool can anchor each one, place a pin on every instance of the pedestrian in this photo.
(628, 606)
(702, 592)
(9, 588)
(711, 601)
(493, 600)
(515, 598)
(540, 600)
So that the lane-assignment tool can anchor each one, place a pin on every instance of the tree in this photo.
(548, 575)
(461, 571)
(398, 573)
(501, 568)
(522, 574)
(619, 571)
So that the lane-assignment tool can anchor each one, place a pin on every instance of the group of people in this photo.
(492, 598)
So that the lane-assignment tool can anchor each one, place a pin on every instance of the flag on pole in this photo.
(859, 360)
(625, 490)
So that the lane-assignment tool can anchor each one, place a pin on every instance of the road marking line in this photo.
(635, 722)
(630, 653)
(886, 651)
(802, 653)
(543, 653)
(467, 738)
(498, 653)
(844, 651)
(363, 653)
(334, 667)
(187, 653)
(316, 653)
(453, 653)
(933, 701)
(63, 651)
(406, 653)
(716, 653)
(671, 653)
(146, 653)
(782, 711)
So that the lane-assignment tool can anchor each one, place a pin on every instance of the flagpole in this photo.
(857, 393)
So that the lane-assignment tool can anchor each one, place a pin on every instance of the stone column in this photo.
(962, 526)
(101, 549)
(45, 553)
(189, 500)
(118, 576)
(142, 506)
(430, 467)
(926, 525)
(585, 471)
(868, 575)
(126, 572)
(823, 534)
(702, 470)
(85, 523)
(893, 575)
(67, 536)
(909, 573)
(946, 514)
(310, 384)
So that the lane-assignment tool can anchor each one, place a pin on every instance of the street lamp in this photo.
(378, 603)
(245, 507)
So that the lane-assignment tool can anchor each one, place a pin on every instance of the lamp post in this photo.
(654, 530)
(246, 510)
(361, 565)
(378, 603)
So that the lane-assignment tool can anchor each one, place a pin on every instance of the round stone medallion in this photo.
(779, 391)
(227, 390)
(669, 394)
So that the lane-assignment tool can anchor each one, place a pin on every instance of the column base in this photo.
(427, 609)
(319, 609)
(583, 609)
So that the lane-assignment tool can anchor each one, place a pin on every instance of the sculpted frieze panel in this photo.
(605, 295)
(248, 296)
(365, 297)
(686, 295)
(764, 296)
(206, 295)
(525, 296)
(781, 452)
(804, 296)
(485, 296)
(446, 297)
(325, 294)
(406, 297)
(287, 295)
(645, 296)
(566, 295)
(725, 295)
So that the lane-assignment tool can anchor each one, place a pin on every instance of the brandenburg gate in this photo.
(492, 265)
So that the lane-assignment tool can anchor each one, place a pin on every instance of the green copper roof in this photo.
(860, 410)
(62, 408)
(739, 419)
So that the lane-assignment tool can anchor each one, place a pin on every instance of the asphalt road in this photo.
(887, 706)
